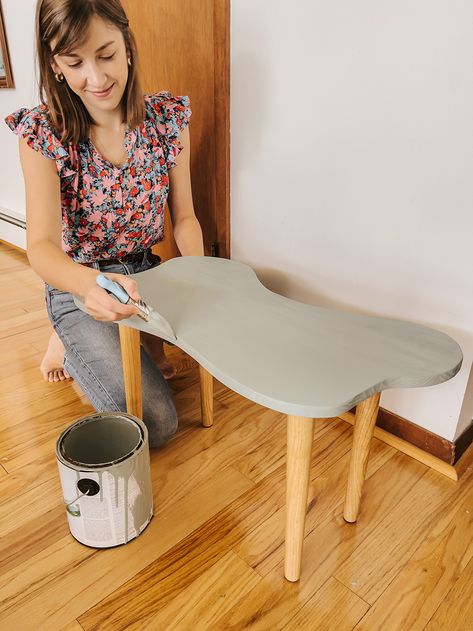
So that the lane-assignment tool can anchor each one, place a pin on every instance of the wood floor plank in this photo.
(326, 547)
(31, 397)
(13, 359)
(198, 606)
(29, 361)
(23, 545)
(455, 613)
(29, 336)
(11, 312)
(50, 565)
(332, 608)
(263, 548)
(373, 565)
(151, 589)
(27, 474)
(13, 515)
(24, 322)
(269, 452)
(172, 482)
(163, 579)
(269, 606)
(35, 435)
(73, 626)
(412, 598)
(186, 445)
(24, 479)
(81, 585)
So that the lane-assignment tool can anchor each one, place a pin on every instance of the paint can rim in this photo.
(87, 466)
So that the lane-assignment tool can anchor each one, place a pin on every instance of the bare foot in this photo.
(154, 347)
(52, 364)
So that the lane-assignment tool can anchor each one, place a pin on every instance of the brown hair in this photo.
(67, 21)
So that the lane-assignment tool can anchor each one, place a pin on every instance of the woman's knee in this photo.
(162, 423)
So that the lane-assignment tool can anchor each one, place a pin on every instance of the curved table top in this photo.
(286, 355)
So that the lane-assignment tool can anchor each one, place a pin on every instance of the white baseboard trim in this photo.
(13, 228)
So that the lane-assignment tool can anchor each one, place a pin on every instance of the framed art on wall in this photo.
(6, 78)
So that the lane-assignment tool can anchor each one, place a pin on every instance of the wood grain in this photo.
(441, 559)
(332, 608)
(206, 397)
(131, 366)
(455, 612)
(366, 413)
(300, 434)
(83, 582)
(205, 600)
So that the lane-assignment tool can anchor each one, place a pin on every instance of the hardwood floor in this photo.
(212, 556)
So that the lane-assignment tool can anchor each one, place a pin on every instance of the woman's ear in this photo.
(54, 66)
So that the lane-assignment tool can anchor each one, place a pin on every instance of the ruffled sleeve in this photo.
(170, 115)
(34, 125)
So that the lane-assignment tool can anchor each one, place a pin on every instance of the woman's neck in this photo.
(108, 121)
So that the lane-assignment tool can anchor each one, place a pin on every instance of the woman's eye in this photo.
(74, 65)
(107, 58)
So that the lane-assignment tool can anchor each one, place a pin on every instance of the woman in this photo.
(99, 160)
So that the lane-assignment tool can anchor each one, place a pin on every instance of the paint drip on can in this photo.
(103, 462)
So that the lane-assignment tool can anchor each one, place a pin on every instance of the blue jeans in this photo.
(93, 357)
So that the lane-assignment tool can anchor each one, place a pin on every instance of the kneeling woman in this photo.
(99, 160)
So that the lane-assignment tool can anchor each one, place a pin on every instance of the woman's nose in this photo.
(96, 77)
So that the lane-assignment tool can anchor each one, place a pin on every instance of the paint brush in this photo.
(145, 311)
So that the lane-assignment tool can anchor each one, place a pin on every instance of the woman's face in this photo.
(97, 70)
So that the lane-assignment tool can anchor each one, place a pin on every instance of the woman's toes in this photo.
(168, 370)
(54, 376)
(51, 366)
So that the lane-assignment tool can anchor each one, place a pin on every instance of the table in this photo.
(305, 361)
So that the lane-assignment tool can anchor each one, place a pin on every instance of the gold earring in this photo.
(129, 61)
(59, 77)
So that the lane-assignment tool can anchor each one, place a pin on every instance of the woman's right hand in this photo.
(105, 307)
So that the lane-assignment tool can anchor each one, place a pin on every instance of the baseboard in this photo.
(447, 457)
(13, 228)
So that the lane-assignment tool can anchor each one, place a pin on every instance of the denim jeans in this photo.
(93, 357)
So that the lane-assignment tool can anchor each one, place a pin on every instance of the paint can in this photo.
(103, 462)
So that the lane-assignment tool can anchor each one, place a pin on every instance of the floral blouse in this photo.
(110, 211)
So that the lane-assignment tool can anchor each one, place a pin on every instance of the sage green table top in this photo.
(288, 356)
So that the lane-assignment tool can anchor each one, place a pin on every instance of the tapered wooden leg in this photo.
(131, 362)
(300, 434)
(365, 421)
(206, 397)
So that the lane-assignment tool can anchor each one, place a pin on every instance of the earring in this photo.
(129, 61)
(59, 77)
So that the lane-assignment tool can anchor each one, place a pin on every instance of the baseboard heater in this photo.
(13, 228)
(20, 223)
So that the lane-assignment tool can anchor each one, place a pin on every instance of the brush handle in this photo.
(113, 287)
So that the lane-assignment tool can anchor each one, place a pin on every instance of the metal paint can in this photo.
(104, 468)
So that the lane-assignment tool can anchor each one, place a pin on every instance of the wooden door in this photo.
(183, 46)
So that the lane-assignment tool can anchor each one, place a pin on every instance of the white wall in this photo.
(351, 167)
(19, 27)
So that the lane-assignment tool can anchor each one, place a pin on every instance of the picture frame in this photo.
(6, 77)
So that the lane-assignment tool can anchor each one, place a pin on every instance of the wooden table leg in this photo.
(131, 362)
(206, 397)
(365, 421)
(300, 435)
